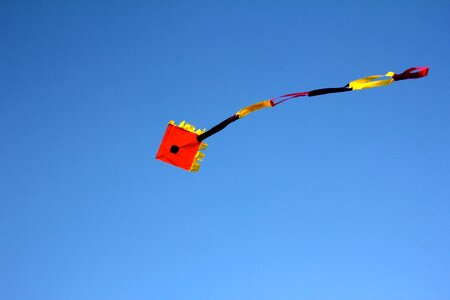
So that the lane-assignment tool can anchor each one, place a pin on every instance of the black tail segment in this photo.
(329, 91)
(217, 128)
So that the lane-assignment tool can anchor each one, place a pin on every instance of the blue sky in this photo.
(342, 196)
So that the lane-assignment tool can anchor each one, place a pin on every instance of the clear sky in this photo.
(342, 196)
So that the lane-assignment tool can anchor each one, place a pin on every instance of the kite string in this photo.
(278, 100)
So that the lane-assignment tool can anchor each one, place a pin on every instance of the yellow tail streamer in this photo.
(371, 82)
(254, 107)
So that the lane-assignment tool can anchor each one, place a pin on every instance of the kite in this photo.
(181, 144)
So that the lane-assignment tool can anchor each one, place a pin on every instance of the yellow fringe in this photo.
(195, 167)
(197, 160)
(188, 127)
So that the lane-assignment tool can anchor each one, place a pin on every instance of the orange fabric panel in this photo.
(187, 145)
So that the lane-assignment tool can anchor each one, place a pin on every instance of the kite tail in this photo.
(359, 84)
(329, 91)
